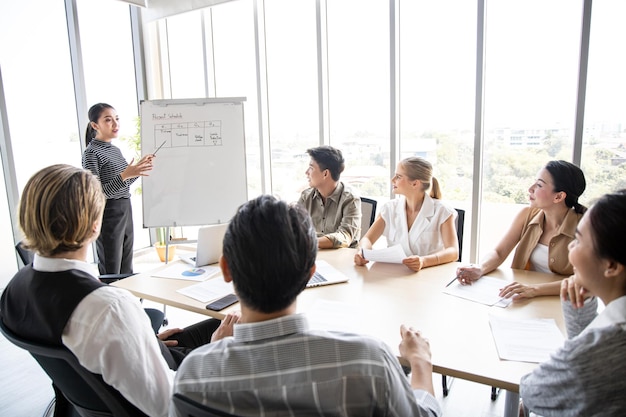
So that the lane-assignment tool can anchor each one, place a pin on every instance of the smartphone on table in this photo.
(222, 303)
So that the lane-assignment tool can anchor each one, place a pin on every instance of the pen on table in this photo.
(499, 301)
(450, 283)
(160, 146)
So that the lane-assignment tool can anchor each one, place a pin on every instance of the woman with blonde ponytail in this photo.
(418, 221)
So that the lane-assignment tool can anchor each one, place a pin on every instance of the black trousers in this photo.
(190, 338)
(115, 243)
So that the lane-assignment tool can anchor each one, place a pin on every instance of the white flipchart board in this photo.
(199, 175)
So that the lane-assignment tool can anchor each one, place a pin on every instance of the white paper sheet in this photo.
(525, 340)
(338, 316)
(179, 270)
(209, 290)
(394, 254)
(484, 291)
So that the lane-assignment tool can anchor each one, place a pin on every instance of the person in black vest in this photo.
(59, 300)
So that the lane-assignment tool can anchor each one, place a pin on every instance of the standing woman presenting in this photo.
(115, 243)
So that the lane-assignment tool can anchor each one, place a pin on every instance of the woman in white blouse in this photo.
(417, 221)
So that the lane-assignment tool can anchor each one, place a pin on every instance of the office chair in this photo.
(460, 223)
(190, 408)
(26, 256)
(368, 214)
(157, 317)
(78, 391)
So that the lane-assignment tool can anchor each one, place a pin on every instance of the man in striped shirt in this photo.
(274, 364)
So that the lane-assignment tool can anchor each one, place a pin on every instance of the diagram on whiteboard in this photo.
(188, 134)
(203, 141)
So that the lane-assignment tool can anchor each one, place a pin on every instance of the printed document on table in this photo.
(525, 340)
(484, 291)
(208, 290)
(338, 316)
(394, 254)
(180, 270)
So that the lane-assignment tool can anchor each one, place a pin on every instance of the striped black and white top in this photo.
(107, 162)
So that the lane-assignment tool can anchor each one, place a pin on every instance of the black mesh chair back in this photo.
(368, 214)
(86, 392)
(460, 222)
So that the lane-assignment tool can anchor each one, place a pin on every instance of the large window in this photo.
(284, 66)
(235, 75)
(109, 77)
(604, 139)
(437, 78)
(209, 53)
(186, 56)
(358, 80)
(37, 80)
(530, 101)
(292, 92)
(8, 264)
(37, 76)
(437, 90)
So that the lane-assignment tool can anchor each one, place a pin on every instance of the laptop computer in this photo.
(325, 274)
(209, 246)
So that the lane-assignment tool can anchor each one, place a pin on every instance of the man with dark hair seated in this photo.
(273, 362)
(334, 208)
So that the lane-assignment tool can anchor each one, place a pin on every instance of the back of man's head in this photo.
(270, 248)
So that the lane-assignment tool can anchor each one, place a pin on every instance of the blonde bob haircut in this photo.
(419, 169)
(58, 209)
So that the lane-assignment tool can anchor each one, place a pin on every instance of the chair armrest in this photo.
(109, 278)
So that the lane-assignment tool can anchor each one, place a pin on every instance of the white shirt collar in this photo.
(44, 264)
(613, 313)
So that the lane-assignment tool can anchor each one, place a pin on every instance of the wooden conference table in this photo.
(384, 296)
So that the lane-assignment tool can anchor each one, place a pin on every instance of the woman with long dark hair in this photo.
(115, 244)
(540, 231)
